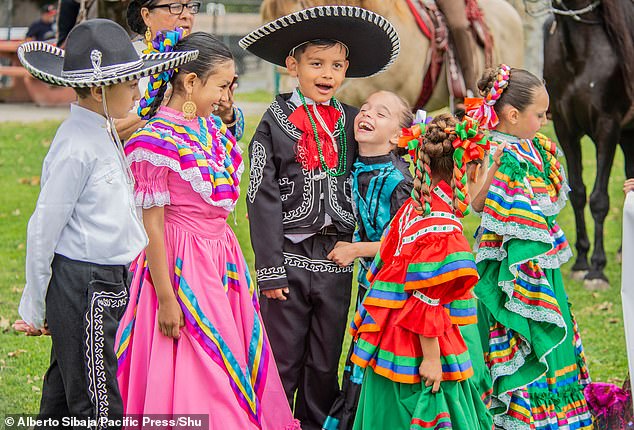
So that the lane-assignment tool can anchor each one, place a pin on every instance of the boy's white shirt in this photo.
(85, 210)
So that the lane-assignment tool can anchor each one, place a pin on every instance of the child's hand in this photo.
(497, 157)
(628, 185)
(276, 294)
(430, 370)
(29, 330)
(170, 318)
(343, 254)
(225, 107)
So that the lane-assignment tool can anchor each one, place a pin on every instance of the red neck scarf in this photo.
(307, 145)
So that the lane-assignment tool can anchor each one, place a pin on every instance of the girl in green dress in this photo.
(531, 342)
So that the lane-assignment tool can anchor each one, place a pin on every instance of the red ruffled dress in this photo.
(421, 286)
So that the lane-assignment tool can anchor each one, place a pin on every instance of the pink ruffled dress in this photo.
(222, 364)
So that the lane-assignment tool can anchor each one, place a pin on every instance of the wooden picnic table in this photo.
(16, 91)
(23, 87)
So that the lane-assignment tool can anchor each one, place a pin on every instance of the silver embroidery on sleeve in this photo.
(258, 161)
(303, 262)
(270, 273)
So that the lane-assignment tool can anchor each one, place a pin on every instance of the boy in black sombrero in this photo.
(85, 230)
(299, 196)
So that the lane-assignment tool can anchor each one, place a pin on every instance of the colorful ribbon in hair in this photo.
(481, 109)
(470, 144)
(163, 42)
(411, 137)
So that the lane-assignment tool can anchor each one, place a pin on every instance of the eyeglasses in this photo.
(178, 8)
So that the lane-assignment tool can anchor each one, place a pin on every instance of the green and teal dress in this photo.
(533, 348)
(421, 283)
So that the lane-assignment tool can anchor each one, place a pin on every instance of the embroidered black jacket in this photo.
(283, 198)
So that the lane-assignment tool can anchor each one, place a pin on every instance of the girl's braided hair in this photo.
(434, 157)
(519, 92)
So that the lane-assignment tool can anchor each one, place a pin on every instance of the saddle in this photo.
(431, 23)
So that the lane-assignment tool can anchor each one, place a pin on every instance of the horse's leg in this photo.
(605, 144)
(570, 141)
(627, 145)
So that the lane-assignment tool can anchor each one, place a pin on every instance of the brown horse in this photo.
(405, 76)
(589, 67)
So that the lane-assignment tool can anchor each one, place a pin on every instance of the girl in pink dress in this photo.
(192, 340)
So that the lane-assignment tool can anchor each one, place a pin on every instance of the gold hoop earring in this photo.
(189, 108)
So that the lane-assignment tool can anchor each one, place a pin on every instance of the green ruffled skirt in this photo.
(536, 361)
(385, 404)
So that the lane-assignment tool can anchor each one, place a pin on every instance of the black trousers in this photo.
(84, 304)
(344, 408)
(306, 331)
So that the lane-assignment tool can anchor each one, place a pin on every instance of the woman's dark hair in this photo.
(133, 15)
(519, 93)
(211, 53)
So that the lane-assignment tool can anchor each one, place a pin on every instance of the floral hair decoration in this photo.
(411, 137)
(481, 109)
(470, 144)
(163, 42)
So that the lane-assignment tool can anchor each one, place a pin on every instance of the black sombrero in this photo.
(98, 53)
(372, 41)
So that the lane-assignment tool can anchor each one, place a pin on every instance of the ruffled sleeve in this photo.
(150, 187)
(210, 161)
(441, 270)
(550, 186)
(510, 209)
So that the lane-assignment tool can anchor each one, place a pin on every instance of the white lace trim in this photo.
(545, 261)
(528, 311)
(192, 175)
(425, 299)
(507, 423)
(512, 365)
(549, 207)
(147, 199)
(555, 261)
(514, 230)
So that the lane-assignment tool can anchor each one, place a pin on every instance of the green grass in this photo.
(258, 96)
(23, 360)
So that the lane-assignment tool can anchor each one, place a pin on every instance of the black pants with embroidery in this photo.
(306, 331)
(84, 304)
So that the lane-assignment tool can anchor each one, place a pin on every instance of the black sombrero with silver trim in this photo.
(372, 41)
(98, 53)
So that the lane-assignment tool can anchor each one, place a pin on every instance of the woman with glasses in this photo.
(151, 17)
